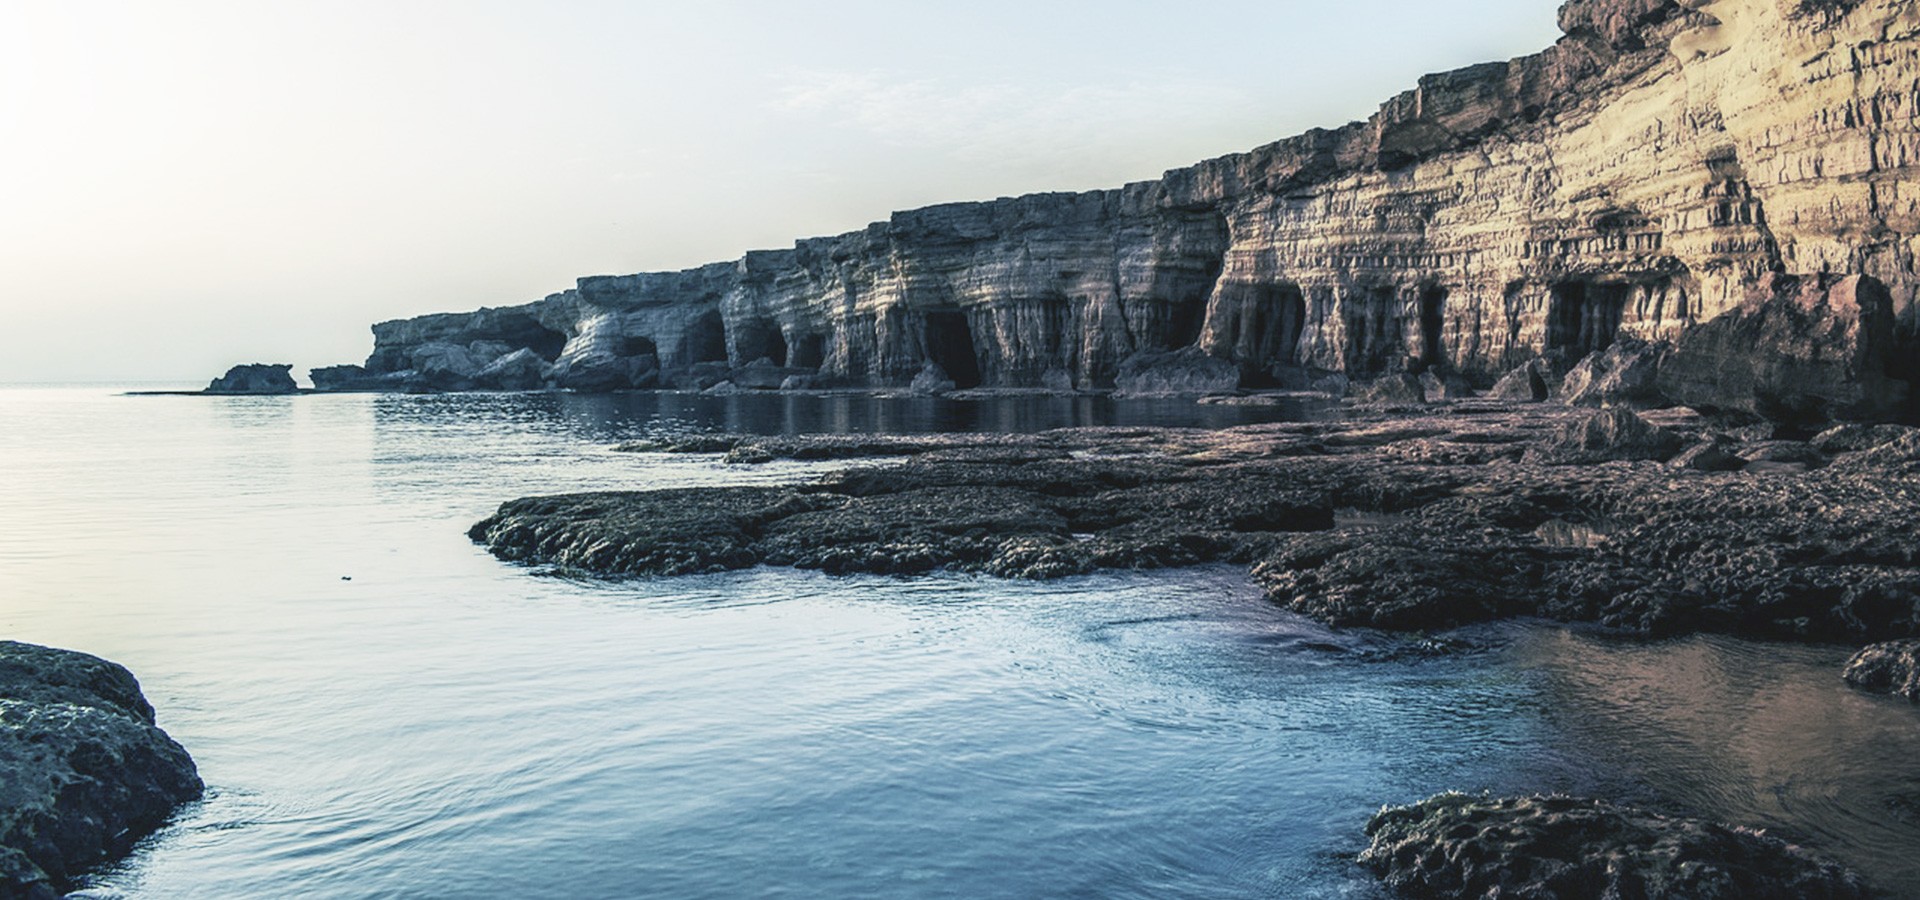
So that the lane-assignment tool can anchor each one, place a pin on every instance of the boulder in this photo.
(932, 380)
(1624, 374)
(1609, 435)
(445, 367)
(763, 375)
(1529, 382)
(797, 383)
(1391, 390)
(520, 370)
(1178, 373)
(255, 378)
(1456, 845)
(84, 772)
(1803, 351)
(1889, 668)
(1449, 386)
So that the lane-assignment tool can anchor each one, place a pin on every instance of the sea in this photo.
(381, 709)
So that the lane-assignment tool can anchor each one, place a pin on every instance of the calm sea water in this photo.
(382, 710)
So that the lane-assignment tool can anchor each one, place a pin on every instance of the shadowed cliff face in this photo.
(1635, 180)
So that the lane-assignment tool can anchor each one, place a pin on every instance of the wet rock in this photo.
(1889, 668)
(84, 773)
(763, 375)
(1610, 435)
(1621, 375)
(1183, 372)
(1455, 845)
(255, 378)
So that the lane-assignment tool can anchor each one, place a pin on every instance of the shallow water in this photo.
(442, 725)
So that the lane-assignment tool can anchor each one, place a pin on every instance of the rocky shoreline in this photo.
(1411, 519)
(84, 771)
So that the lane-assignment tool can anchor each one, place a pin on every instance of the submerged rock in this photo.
(1889, 668)
(1562, 848)
(255, 378)
(84, 772)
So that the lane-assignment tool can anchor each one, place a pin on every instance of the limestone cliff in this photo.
(1642, 176)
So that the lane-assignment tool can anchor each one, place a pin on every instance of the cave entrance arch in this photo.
(948, 340)
(760, 339)
(1583, 317)
(706, 339)
(635, 345)
(1433, 324)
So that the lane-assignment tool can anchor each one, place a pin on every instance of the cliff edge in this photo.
(1664, 165)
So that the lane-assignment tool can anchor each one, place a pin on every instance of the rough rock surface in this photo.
(84, 773)
(255, 378)
(1562, 848)
(1889, 668)
(1640, 179)
(1467, 515)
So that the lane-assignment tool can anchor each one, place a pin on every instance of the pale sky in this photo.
(187, 184)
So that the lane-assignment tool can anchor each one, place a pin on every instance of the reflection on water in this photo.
(1760, 734)
(442, 725)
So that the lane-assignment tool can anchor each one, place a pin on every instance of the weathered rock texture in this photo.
(1562, 848)
(1644, 175)
(84, 772)
(1889, 668)
(1468, 512)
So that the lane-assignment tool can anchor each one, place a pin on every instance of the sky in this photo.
(189, 184)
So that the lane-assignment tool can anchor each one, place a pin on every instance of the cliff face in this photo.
(1640, 177)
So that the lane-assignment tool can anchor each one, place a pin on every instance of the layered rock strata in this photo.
(84, 772)
(1663, 165)
(1455, 845)
(1472, 512)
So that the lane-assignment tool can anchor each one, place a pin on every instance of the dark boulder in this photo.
(1391, 390)
(1610, 435)
(84, 772)
(255, 378)
(1624, 374)
(1889, 668)
(1803, 351)
(1456, 845)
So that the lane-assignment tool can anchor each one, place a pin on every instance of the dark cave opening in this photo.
(809, 351)
(705, 340)
(1433, 322)
(760, 339)
(1184, 319)
(1583, 317)
(948, 340)
(526, 332)
(635, 345)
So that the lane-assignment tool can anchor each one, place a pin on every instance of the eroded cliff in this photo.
(1661, 166)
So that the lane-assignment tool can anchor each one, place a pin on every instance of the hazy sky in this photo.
(186, 184)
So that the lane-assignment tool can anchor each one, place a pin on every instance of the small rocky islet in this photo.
(84, 771)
